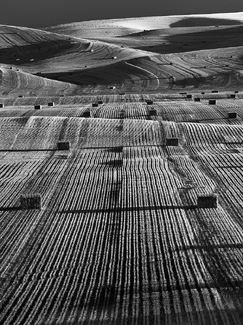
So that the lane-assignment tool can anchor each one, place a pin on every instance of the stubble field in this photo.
(120, 237)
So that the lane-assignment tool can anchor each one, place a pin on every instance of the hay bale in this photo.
(63, 145)
(232, 115)
(152, 112)
(215, 91)
(236, 91)
(94, 104)
(207, 201)
(197, 99)
(1, 105)
(30, 201)
(212, 102)
(118, 149)
(51, 104)
(100, 101)
(149, 102)
(174, 142)
(122, 114)
(232, 95)
(86, 114)
(188, 96)
(38, 106)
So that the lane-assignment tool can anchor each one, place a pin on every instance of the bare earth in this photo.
(151, 110)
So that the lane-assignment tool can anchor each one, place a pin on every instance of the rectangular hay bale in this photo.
(38, 106)
(212, 102)
(86, 114)
(149, 102)
(172, 142)
(207, 201)
(118, 149)
(30, 201)
(232, 115)
(122, 114)
(152, 112)
(63, 145)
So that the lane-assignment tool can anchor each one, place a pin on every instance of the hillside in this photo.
(121, 27)
(121, 172)
(180, 55)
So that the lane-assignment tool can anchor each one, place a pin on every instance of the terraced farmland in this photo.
(140, 219)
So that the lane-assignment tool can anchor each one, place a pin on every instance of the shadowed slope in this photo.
(204, 21)
(178, 40)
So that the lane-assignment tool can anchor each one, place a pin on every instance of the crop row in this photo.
(107, 249)
(120, 237)
(177, 111)
(44, 133)
(210, 139)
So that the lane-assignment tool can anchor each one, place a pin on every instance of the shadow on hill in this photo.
(114, 74)
(201, 21)
(229, 37)
(18, 55)
(10, 208)
(204, 40)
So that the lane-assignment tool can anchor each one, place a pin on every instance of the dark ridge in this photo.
(43, 50)
(200, 21)
(201, 40)
(105, 75)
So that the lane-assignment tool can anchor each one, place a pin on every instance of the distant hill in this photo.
(148, 53)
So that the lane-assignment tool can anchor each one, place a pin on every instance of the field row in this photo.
(44, 133)
(177, 111)
(126, 214)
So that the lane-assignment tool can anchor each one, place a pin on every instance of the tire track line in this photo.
(154, 75)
